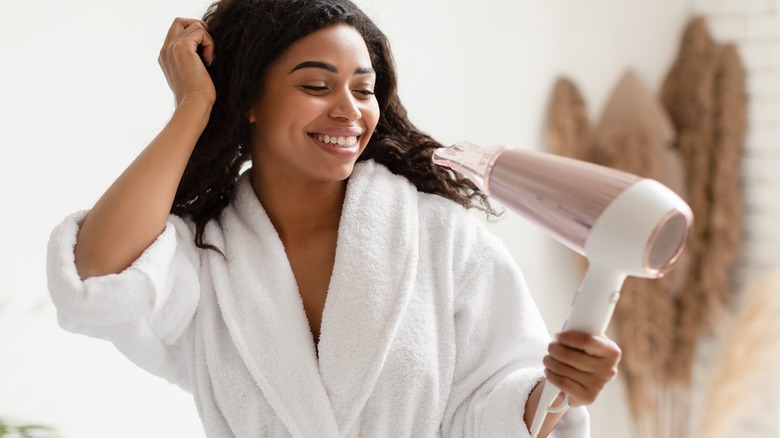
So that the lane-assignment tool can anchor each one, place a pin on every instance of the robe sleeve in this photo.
(144, 310)
(500, 342)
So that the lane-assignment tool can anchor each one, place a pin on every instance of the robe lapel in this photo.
(371, 284)
(263, 311)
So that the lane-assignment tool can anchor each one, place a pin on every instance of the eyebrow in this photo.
(331, 68)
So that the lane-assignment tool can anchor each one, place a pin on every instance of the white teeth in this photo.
(340, 141)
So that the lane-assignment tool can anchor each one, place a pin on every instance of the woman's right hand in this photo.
(183, 67)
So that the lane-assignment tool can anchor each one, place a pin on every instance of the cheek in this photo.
(371, 115)
(286, 120)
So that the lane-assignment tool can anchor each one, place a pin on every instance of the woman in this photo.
(334, 288)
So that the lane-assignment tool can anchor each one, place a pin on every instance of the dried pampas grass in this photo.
(748, 354)
(691, 141)
(568, 129)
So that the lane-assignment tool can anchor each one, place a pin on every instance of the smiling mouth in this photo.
(348, 141)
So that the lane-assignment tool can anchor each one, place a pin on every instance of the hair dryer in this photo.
(623, 224)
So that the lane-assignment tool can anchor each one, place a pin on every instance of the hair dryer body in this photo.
(623, 224)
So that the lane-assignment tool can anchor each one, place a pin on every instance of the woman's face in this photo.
(317, 111)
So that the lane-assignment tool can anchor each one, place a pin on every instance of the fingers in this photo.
(187, 34)
(580, 365)
(561, 360)
(179, 25)
(183, 66)
(590, 354)
(581, 388)
(594, 345)
(208, 47)
(197, 33)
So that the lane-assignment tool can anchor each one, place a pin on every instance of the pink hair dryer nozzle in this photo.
(623, 224)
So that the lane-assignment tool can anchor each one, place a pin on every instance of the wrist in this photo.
(195, 109)
(551, 418)
(196, 103)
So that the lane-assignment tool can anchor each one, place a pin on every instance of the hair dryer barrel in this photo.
(563, 196)
(646, 226)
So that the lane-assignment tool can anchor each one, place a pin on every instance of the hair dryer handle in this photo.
(591, 312)
(594, 302)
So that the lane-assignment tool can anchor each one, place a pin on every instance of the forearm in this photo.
(530, 409)
(133, 211)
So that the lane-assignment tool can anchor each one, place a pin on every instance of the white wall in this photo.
(82, 94)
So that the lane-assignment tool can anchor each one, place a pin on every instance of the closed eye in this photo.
(314, 88)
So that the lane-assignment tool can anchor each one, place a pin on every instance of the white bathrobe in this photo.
(428, 329)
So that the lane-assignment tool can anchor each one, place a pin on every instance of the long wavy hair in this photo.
(249, 36)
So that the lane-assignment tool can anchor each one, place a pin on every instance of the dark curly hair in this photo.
(249, 36)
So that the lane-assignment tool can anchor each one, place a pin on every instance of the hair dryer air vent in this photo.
(667, 242)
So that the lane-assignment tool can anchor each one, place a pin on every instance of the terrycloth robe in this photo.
(428, 328)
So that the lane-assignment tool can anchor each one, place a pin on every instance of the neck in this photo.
(300, 209)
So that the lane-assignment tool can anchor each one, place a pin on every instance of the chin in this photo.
(339, 173)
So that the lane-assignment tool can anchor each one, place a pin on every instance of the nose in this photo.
(345, 106)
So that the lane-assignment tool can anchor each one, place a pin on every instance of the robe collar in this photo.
(370, 287)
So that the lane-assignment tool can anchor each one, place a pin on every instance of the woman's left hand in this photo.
(580, 365)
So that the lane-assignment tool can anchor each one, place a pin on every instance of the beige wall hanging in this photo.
(691, 140)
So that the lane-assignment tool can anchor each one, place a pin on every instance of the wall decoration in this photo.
(690, 140)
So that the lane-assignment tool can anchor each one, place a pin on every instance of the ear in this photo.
(251, 115)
